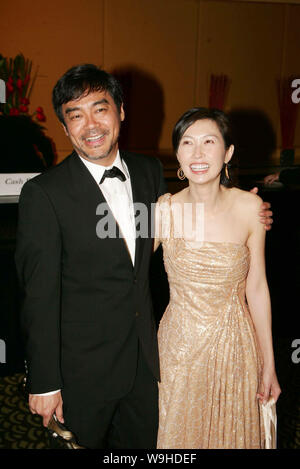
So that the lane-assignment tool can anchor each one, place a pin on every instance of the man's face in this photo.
(92, 122)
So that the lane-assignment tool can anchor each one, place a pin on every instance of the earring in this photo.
(226, 171)
(180, 174)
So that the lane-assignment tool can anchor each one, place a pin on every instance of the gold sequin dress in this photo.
(209, 356)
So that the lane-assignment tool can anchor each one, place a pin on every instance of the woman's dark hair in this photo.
(219, 117)
(81, 79)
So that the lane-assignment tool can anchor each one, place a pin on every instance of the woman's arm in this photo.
(258, 297)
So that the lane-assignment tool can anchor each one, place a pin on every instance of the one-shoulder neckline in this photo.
(230, 243)
(209, 242)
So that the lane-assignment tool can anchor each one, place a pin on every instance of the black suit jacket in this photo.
(85, 306)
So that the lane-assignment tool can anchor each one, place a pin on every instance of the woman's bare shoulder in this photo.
(164, 198)
(247, 207)
(245, 199)
(179, 196)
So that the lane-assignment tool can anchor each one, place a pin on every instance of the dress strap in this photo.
(166, 222)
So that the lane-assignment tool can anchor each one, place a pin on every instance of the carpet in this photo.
(19, 429)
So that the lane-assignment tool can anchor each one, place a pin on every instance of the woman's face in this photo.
(201, 152)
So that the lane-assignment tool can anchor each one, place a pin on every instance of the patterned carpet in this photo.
(19, 429)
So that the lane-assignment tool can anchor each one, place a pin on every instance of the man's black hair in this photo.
(84, 79)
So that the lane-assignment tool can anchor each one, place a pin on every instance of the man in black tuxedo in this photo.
(87, 316)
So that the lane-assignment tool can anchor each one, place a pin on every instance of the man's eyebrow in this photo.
(71, 109)
(77, 108)
(101, 101)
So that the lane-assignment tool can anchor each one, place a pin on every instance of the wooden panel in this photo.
(286, 2)
(291, 64)
(164, 51)
(245, 41)
(55, 36)
(152, 44)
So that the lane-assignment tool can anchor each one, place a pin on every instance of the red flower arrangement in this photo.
(16, 74)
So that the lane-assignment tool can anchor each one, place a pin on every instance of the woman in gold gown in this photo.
(215, 339)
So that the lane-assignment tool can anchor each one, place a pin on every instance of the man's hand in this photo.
(271, 178)
(265, 214)
(46, 406)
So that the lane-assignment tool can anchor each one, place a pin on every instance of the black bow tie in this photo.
(114, 172)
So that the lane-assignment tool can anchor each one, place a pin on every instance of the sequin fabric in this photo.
(209, 356)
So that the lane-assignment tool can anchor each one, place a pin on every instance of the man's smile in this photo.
(95, 141)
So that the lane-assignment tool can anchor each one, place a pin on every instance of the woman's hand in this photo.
(269, 386)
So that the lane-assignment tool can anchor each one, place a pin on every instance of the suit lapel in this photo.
(89, 191)
(84, 184)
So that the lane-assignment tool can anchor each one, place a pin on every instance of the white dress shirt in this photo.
(118, 195)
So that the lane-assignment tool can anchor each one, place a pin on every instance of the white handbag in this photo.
(270, 423)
